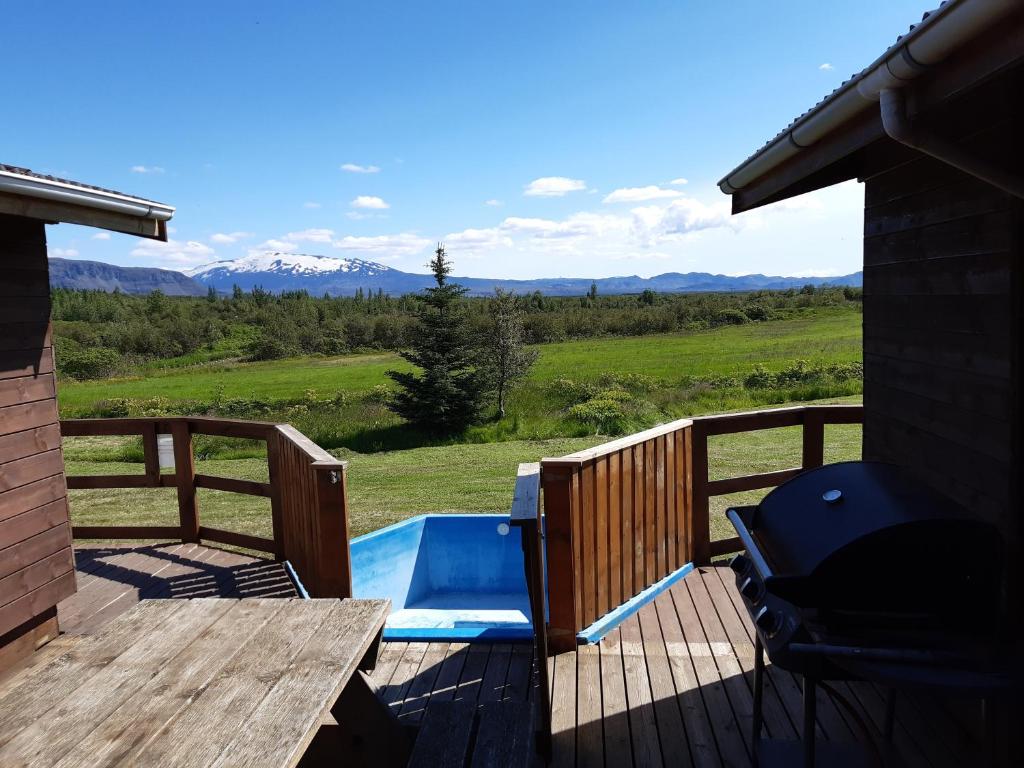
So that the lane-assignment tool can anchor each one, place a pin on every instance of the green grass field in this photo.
(475, 474)
(826, 335)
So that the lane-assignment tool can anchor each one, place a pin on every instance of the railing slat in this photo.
(751, 482)
(233, 485)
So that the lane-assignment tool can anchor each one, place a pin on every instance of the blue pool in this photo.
(457, 577)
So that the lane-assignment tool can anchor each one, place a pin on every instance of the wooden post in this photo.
(185, 472)
(563, 619)
(333, 561)
(700, 525)
(813, 438)
(149, 453)
(275, 471)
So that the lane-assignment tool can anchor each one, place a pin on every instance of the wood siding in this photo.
(942, 292)
(36, 562)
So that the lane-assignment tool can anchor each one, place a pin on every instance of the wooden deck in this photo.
(672, 686)
(111, 579)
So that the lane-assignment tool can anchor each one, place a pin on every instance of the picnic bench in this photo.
(207, 682)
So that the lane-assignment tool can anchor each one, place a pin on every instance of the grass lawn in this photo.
(829, 335)
(386, 487)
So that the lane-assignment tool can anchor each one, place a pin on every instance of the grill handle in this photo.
(753, 551)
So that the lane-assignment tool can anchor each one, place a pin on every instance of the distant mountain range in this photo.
(343, 277)
(97, 276)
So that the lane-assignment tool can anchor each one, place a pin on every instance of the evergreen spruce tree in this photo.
(446, 395)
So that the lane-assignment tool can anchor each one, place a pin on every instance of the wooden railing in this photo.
(306, 490)
(618, 520)
(626, 514)
(812, 418)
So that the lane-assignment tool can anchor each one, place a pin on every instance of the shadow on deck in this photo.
(111, 579)
(671, 686)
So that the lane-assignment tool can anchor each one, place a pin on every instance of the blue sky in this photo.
(536, 139)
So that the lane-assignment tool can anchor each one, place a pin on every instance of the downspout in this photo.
(899, 128)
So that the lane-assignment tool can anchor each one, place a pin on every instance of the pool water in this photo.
(455, 577)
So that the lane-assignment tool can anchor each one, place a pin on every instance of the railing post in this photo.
(563, 607)
(274, 470)
(185, 472)
(813, 438)
(700, 524)
(333, 560)
(149, 452)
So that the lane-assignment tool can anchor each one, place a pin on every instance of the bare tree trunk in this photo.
(501, 400)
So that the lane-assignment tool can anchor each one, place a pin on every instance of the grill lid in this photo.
(814, 516)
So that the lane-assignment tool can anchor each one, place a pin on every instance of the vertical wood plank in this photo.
(639, 525)
(682, 502)
(615, 528)
(700, 530)
(660, 509)
(589, 548)
(650, 503)
(562, 589)
(277, 478)
(671, 533)
(185, 471)
(334, 574)
(626, 505)
(600, 516)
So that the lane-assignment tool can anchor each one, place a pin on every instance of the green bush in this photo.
(78, 362)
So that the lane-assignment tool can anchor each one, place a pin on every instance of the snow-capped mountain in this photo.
(344, 276)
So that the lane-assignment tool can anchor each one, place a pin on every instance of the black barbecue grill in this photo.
(857, 570)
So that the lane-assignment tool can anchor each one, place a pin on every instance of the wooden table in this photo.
(193, 683)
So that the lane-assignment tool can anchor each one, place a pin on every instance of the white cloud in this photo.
(474, 240)
(101, 236)
(369, 201)
(173, 252)
(493, 203)
(147, 169)
(826, 67)
(679, 182)
(354, 168)
(310, 236)
(641, 194)
(311, 204)
(553, 186)
(226, 238)
(384, 246)
(277, 245)
(63, 253)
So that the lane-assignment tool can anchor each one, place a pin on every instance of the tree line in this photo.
(100, 334)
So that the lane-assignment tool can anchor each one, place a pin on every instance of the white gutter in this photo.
(899, 128)
(49, 189)
(931, 41)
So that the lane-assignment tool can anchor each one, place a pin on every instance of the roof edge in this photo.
(65, 192)
(939, 34)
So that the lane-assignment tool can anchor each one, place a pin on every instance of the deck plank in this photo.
(589, 727)
(614, 707)
(412, 708)
(675, 747)
(699, 733)
(563, 710)
(729, 736)
(673, 685)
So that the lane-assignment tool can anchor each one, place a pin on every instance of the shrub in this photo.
(79, 362)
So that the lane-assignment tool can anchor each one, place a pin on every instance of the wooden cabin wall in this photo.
(36, 561)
